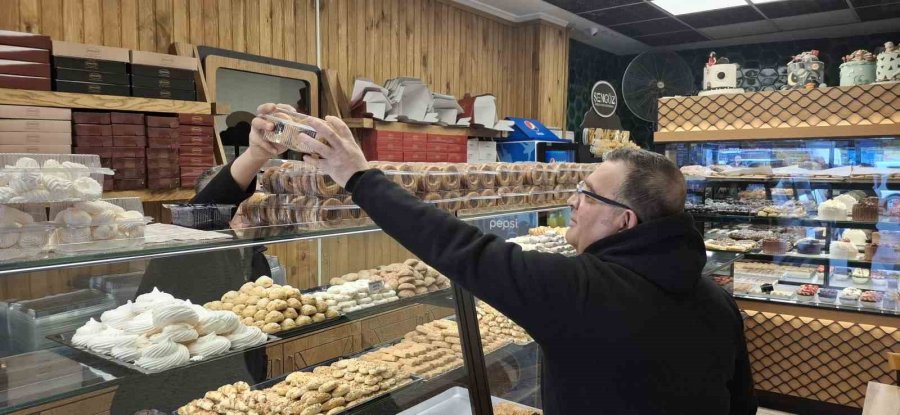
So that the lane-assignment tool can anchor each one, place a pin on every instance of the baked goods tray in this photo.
(66, 340)
(455, 401)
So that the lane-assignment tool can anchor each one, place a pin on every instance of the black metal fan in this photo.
(653, 75)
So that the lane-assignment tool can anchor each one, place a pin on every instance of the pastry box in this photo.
(162, 132)
(12, 67)
(207, 217)
(130, 184)
(93, 129)
(27, 40)
(127, 129)
(162, 154)
(162, 83)
(127, 118)
(165, 172)
(197, 161)
(161, 183)
(164, 60)
(96, 65)
(92, 88)
(35, 139)
(196, 130)
(93, 141)
(114, 224)
(129, 173)
(126, 152)
(128, 163)
(157, 163)
(188, 182)
(24, 233)
(102, 152)
(160, 72)
(163, 142)
(80, 50)
(80, 75)
(191, 151)
(34, 113)
(129, 141)
(415, 156)
(162, 122)
(35, 149)
(19, 53)
(179, 94)
(24, 82)
(193, 171)
(196, 140)
(195, 119)
(79, 117)
(41, 178)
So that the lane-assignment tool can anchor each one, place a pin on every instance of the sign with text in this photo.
(604, 99)
(508, 226)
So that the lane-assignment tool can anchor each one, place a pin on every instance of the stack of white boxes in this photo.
(481, 151)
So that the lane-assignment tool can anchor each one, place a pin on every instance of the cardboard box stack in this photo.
(129, 149)
(36, 130)
(414, 146)
(24, 61)
(196, 153)
(90, 69)
(93, 135)
(162, 153)
(158, 75)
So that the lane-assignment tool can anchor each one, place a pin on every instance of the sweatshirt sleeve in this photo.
(222, 189)
(521, 284)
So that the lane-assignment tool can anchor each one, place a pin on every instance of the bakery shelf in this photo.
(811, 222)
(244, 238)
(794, 258)
(101, 102)
(840, 183)
(841, 307)
(153, 195)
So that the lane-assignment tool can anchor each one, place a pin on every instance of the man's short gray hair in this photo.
(654, 186)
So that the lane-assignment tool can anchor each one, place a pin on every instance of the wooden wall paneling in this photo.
(275, 364)
(112, 22)
(91, 403)
(210, 23)
(290, 26)
(226, 22)
(73, 21)
(164, 25)
(51, 18)
(9, 19)
(29, 15)
(298, 259)
(322, 345)
(265, 27)
(277, 29)
(390, 326)
(181, 21)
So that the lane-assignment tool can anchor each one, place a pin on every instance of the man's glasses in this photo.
(582, 189)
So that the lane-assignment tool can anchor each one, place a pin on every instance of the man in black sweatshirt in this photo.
(626, 327)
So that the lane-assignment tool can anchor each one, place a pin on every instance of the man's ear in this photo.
(631, 219)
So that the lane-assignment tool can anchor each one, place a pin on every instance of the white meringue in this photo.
(105, 217)
(76, 170)
(27, 163)
(12, 215)
(9, 236)
(32, 239)
(7, 193)
(73, 217)
(104, 232)
(145, 302)
(163, 355)
(178, 333)
(73, 235)
(83, 333)
(174, 313)
(25, 182)
(98, 206)
(208, 346)
(140, 324)
(105, 341)
(118, 317)
(36, 196)
(126, 353)
(87, 188)
(131, 223)
(58, 186)
(246, 336)
(218, 322)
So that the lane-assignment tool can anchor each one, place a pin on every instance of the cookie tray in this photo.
(453, 401)
(66, 339)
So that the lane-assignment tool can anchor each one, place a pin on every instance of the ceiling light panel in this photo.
(677, 7)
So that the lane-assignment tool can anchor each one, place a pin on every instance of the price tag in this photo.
(376, 286)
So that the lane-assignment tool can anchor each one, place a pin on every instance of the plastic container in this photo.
(113, 224)
(404, 174)
(201, 216)
(438, 177)
(44, 178)
(569, 173)
(24, 233)
(540, 174)
(287, 133)
(32, 321)
(122, 287)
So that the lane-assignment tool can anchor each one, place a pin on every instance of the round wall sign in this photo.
(604, 99)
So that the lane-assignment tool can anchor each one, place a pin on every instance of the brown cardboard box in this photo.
(196, 119)
(35, 138)
(27, 40)
(128, 152)
(128, 129)
(130, 141)
(168, 172)
(23, 68)
(162, 132)
(162, 154)
(93, 129)
(80, 50)
(195, 140)
(34, 113)
(91, 65)
(160, 183)
(129, 173)
(38, 126)
(188, 182)
(105, 153)
(176, 94)
(129, 163)
(161, 164)
(18, 53)
(162, 122)
(79, 117)
(24, 82)
(164, 60)
(162, 83)
(193, 171)
(35, 149)
(127, 118)
(93, 141)
(163, 142)
(160, 72)
(92, 88)
(196, 130)
(129, 184)
(192, 151)
(196, 160)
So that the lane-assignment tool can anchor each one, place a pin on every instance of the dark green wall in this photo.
(588, 65)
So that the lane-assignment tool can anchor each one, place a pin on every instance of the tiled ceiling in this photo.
(653, 26)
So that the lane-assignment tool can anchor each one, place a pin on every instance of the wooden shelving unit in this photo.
(147, 195)
(369, 123)
(101, 102)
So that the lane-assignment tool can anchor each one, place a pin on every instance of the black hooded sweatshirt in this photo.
(627, 327)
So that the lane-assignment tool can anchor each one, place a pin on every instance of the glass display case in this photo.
(818, 221)
(256, 314)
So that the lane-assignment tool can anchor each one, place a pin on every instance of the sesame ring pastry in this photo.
(488, 198)
(329, 212)
(471, 201)
(488, 175)
(538, 197)
(432, 197)
(265, 180)
(454, 201)
(561, 193)
(402, 174)
(565, 174)
(352, 213)
(504, 175)
(472, 177)
(535, 175)
(505, 199)
(325, 185)
(431, 180)
(517, 177)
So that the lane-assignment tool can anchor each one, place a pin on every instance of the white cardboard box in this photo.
(35, 138)
(36, 126)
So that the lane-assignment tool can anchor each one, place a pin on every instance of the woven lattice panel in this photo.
(825, 360)
(877, 104)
